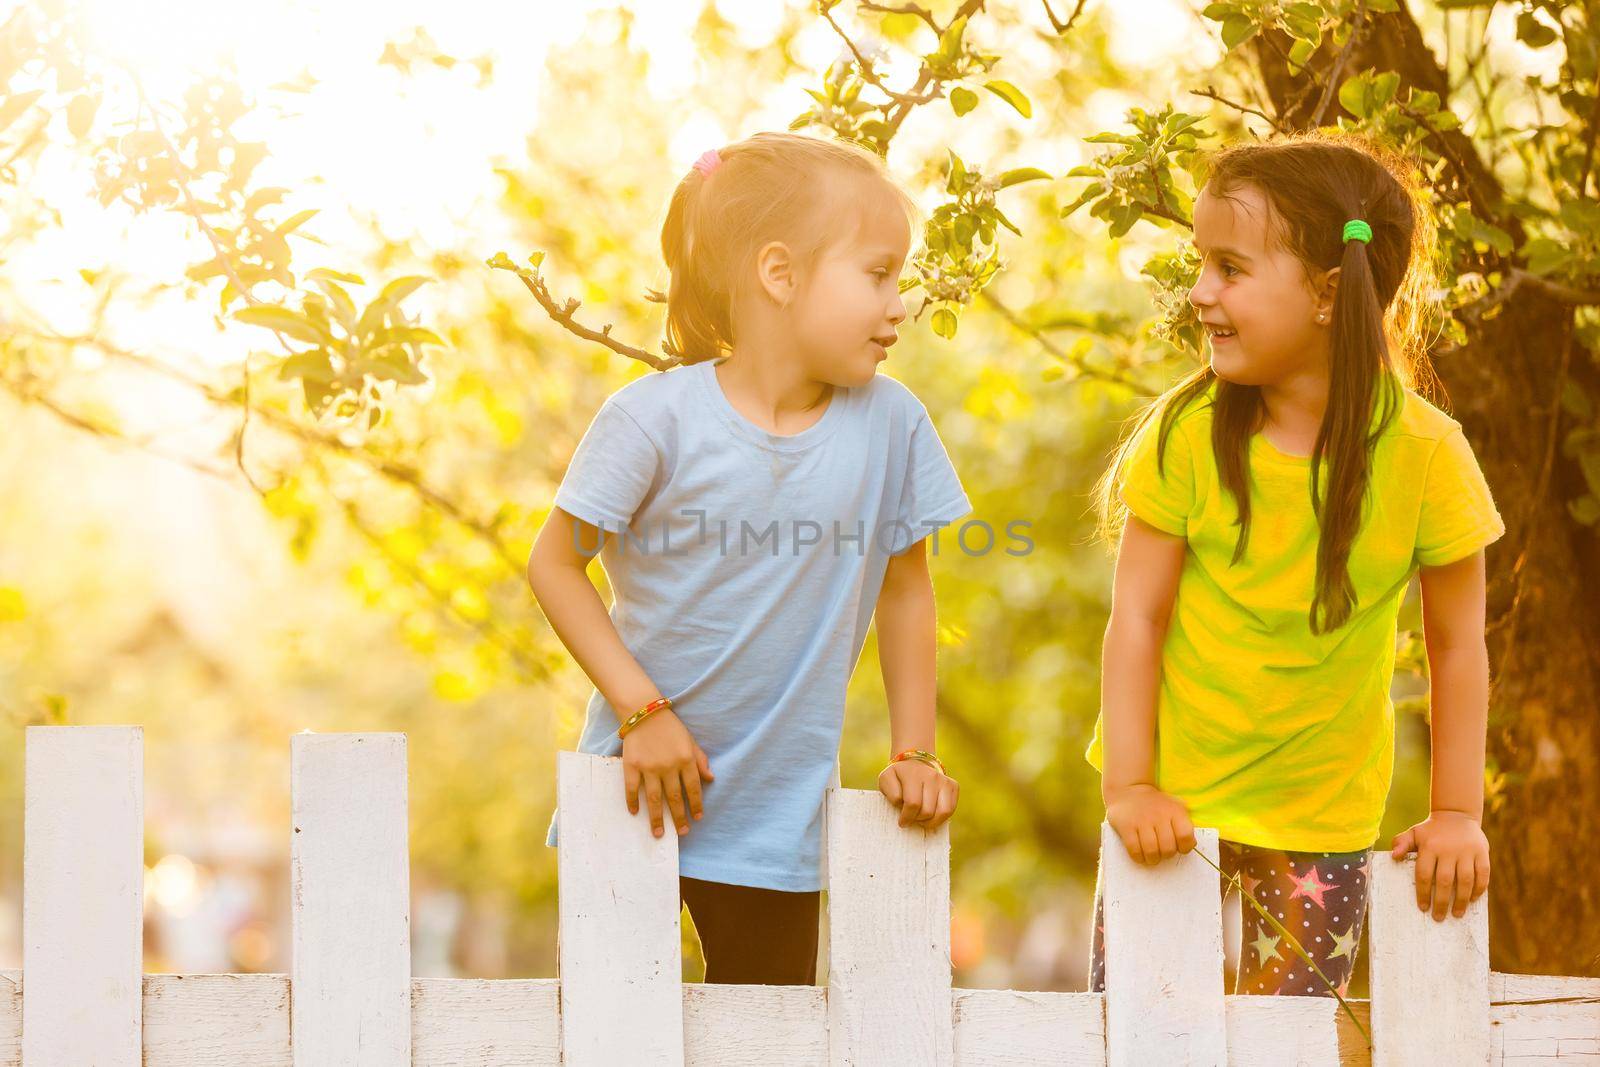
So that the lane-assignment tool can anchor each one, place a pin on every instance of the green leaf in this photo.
(1019, 175)
(1218, 12)
(1237, 29)
(283, 320)
(313, 365)
(17, 103)
(334, 275)
(408, 335)
(262, 197)
(343, 306)
(296, 220)
(1353, 95)
(1546, 256)
(962, 100)
(944, 323)
(1011, 95)
(1383, 88)
(80, 114)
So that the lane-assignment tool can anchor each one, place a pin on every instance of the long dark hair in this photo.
(1313, 184)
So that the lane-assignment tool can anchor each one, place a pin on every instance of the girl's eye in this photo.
(1229, 270)
(882, 272)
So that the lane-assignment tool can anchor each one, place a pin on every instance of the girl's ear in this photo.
(1325, 286)
(775, 272)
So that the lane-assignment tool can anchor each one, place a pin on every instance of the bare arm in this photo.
(659, 756)
(1458, 666)
(1452, 851)
(1142, 594)
(1153, 826)
(907, 655)
(557, 573)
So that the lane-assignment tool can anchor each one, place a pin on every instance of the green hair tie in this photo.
(1358, 230)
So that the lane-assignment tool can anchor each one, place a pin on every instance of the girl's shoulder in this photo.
(1420, 419)
(657, 393)
(884, 393)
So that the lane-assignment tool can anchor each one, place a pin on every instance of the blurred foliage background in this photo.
(306, 313)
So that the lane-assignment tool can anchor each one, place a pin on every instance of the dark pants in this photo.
(753, 936)
(1320, 897)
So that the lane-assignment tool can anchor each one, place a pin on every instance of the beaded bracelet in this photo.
(921, 756)
(638, 716)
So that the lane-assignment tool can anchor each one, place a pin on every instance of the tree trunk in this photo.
(1504, 386)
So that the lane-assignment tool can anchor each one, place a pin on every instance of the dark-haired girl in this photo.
(1273, 508)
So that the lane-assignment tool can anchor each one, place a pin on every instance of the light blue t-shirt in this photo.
(744, 584)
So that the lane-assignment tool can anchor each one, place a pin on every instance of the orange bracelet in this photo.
(921, 756)
(639, 716)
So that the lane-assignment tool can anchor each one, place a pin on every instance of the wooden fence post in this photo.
(350, 886)
(1163, 943)
(1430, 979)
(889, 997)
(618, 949)
(83, 896)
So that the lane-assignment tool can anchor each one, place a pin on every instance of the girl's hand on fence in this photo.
(922, 794)
(1153, 825)
(1452, 861)
(661, 757)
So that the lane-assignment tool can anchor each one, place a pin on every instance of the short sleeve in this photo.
(933, 494)
(1160, 494)
(611, 470)
(1458, 513)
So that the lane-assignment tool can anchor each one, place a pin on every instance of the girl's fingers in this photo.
(1404, 842)
(911, 804)
(930, 801)
(1149, 845)
(1166, 840)
(946, 805)
(1464, 878)
(704, 761)
(1426, 862)
(890, 785)
(1480, 880)
(672, 784)
(1444, 887)
(652, 794)
(691, 790)
(1131, 843)
(630, 787)
(1185, 831)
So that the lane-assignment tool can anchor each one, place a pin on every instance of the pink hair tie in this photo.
(708, 162)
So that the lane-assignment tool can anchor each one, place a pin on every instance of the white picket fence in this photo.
(350, 999)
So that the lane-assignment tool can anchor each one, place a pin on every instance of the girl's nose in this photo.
(1200, 293)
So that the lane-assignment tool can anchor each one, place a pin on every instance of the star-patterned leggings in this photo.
(1320, 897)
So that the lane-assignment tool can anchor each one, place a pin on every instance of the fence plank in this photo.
(481, 1022)
(1430, 980)
(888, 935)
(83, 895)
(1282, 1031)
(350, 901)
(216, 1020)
(618, 936)
(773, 1025)
(1163, 942)
(1015, 1028)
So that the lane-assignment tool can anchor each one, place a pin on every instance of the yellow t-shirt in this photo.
(1274, 735)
